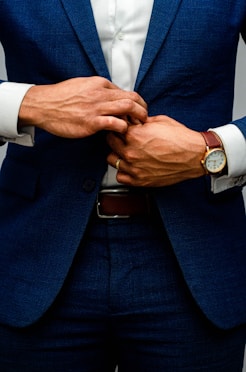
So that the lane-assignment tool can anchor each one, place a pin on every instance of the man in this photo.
(122, 217)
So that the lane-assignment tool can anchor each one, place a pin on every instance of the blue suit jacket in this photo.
(47, 192)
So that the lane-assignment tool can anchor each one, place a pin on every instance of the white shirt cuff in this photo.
(234, 144)
(11, 97)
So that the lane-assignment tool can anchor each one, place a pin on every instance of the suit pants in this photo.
(124, 303)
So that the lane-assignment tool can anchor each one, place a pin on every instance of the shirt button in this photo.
(121, 36)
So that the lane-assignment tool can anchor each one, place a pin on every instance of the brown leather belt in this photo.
(122, 203)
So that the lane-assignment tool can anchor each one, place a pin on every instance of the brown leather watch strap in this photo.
(212, 140)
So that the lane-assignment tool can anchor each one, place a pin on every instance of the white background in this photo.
(240, 93)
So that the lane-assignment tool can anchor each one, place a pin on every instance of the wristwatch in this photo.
(214, 161)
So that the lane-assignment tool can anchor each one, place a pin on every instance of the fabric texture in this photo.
(47, 192)
(126, 304)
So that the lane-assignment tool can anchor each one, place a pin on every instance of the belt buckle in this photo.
(110, 191)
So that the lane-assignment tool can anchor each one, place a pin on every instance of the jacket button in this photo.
(88, 185)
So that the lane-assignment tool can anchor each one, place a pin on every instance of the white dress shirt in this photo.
(122, 26)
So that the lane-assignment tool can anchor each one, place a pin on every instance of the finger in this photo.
(116, 143)
(118, 93)
(133, 96)
(126, 179)
(137, 98)
(115, 161)
(125, 172)
(133, 121)
(125, 107)
(154, 119)
(112, 123)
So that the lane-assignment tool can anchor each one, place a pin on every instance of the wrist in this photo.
(214, 160)
(29, 112)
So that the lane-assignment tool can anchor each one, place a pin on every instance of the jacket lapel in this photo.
(163, 15)
(81, 17)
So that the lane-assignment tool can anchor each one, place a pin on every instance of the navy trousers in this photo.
(123, 303)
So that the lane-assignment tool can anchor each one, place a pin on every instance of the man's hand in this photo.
(158, 153)
(80, 107)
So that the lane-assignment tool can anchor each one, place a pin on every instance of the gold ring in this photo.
(117, 164)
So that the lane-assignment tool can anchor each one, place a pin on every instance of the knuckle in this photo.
(128, 104)
(108, 120)
(129, 156)
(106, 123)
(100, 80)
(134, 96)
(132, 134)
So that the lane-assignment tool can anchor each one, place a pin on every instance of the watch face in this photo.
(215, 161)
